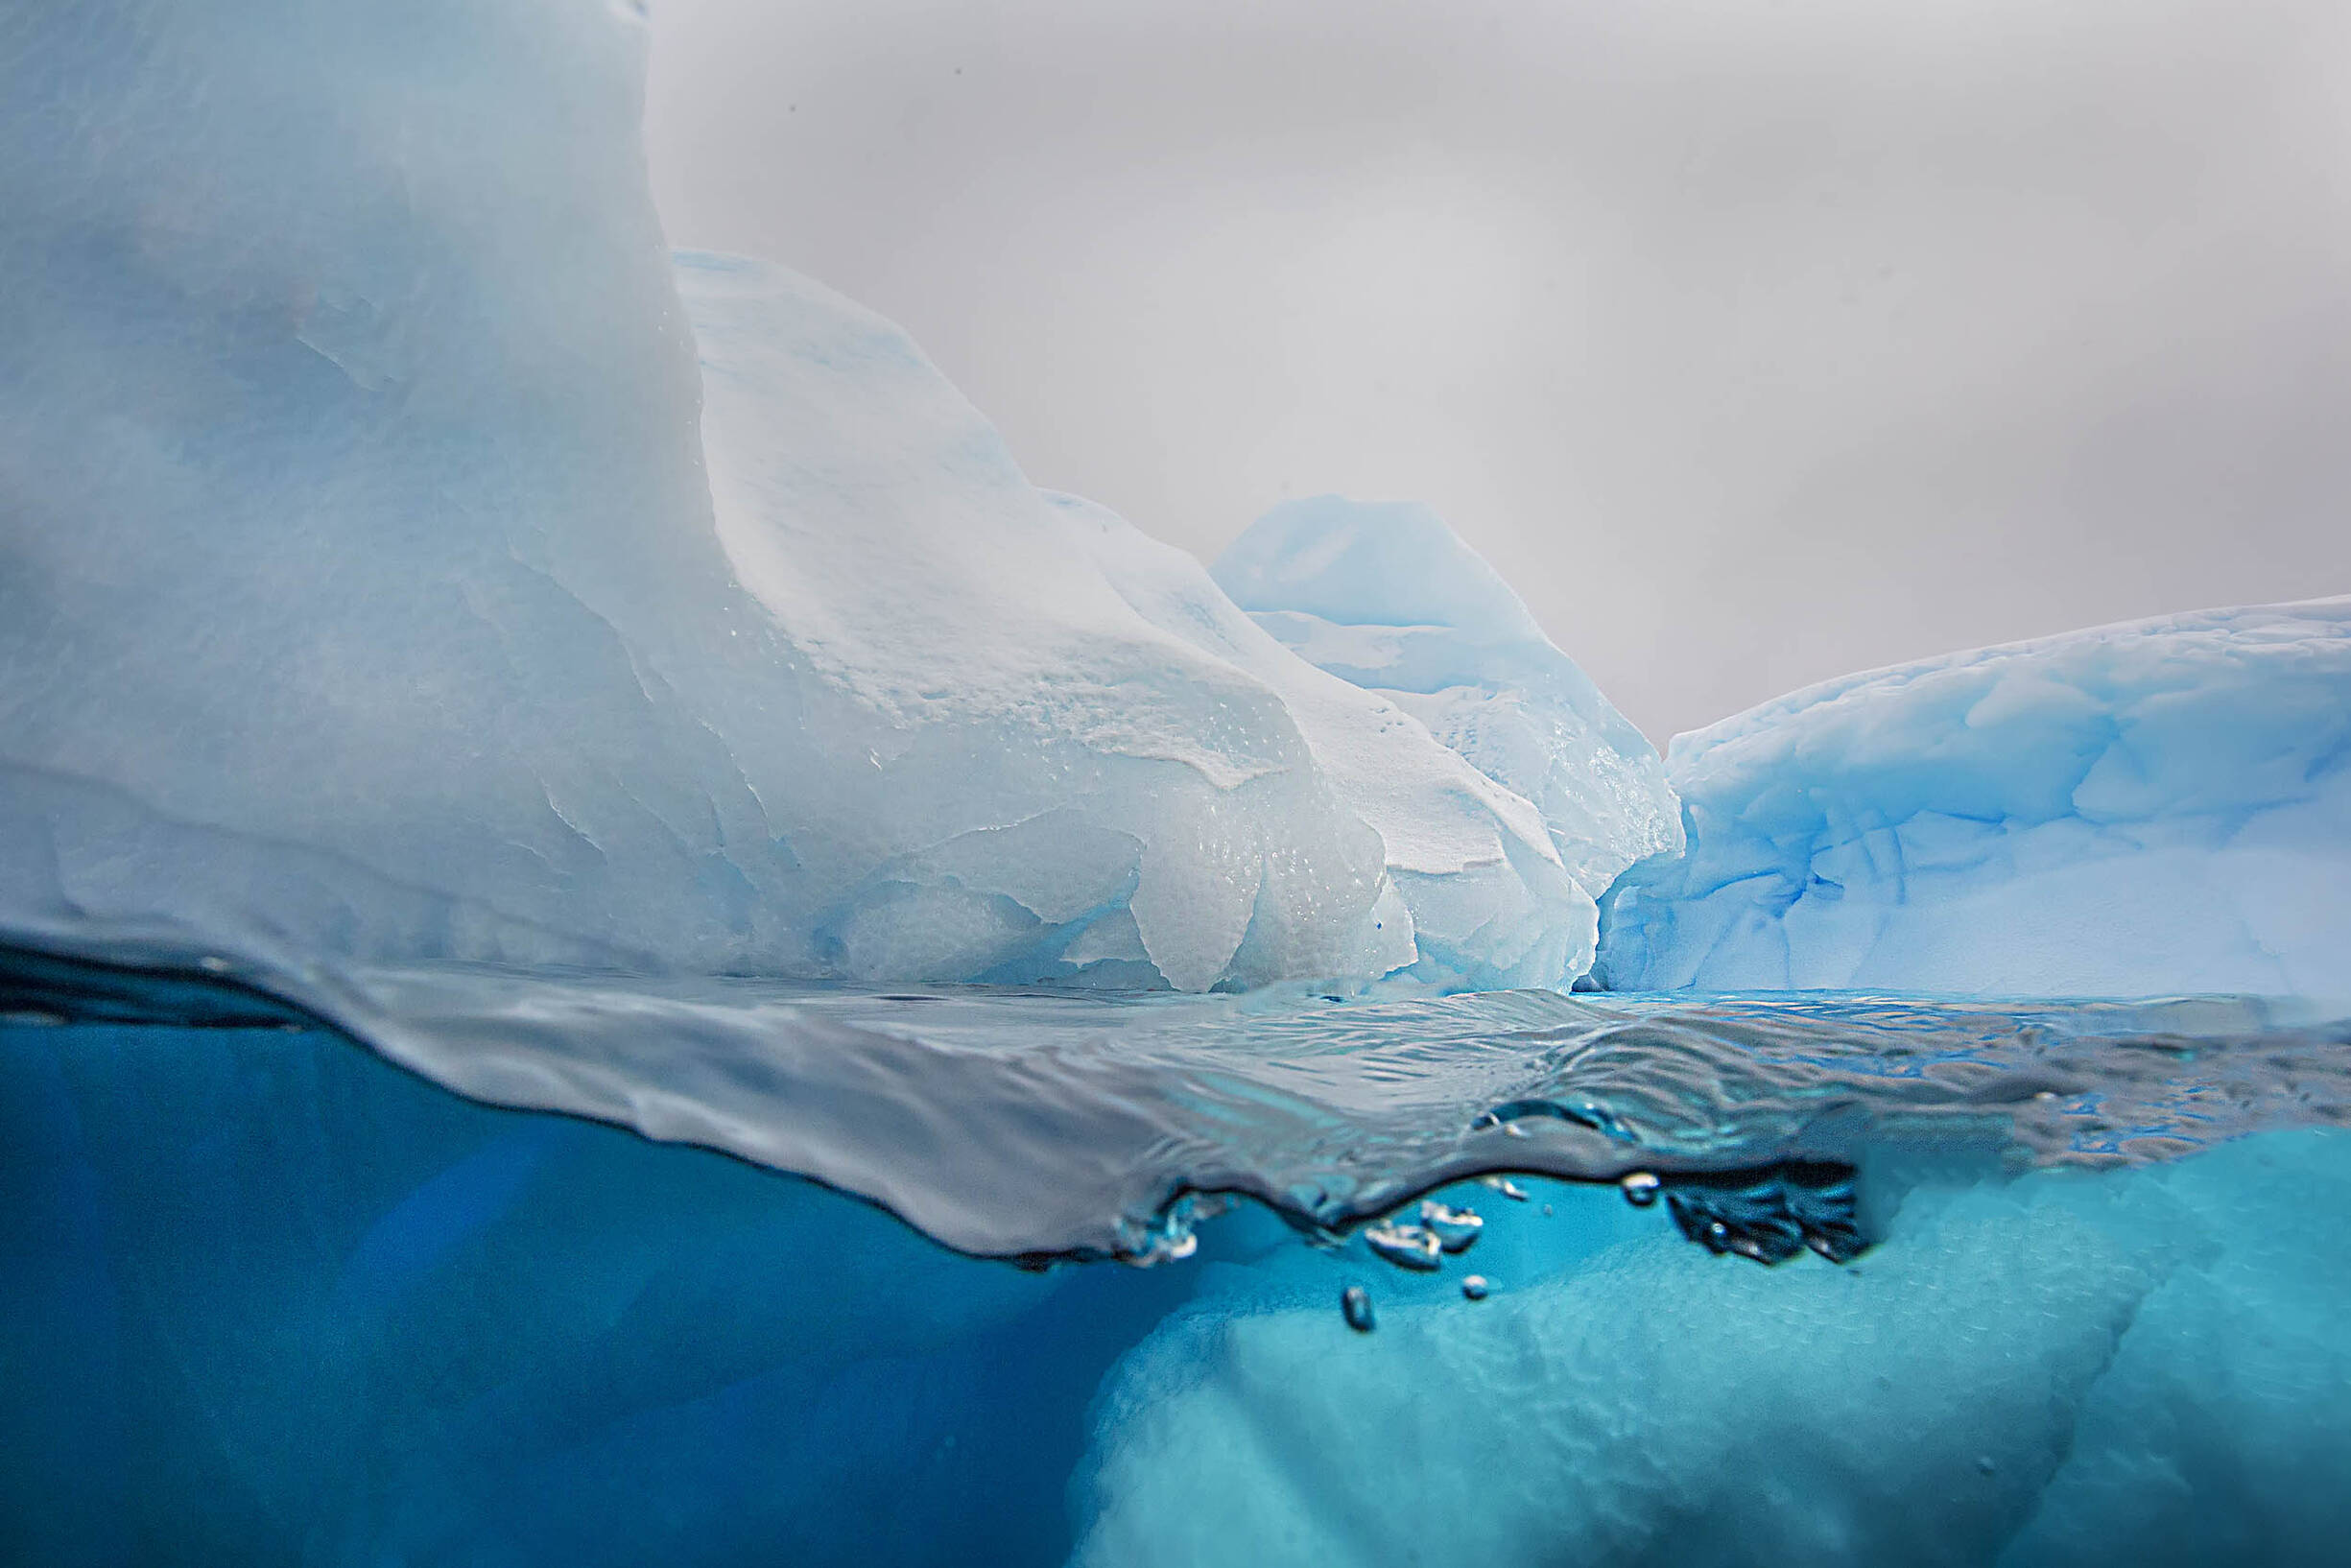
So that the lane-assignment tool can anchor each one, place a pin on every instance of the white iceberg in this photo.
(1480, 884)
(352, 529)
(2152, 808)
(402, 561)
(1384, 595)
(1001, 769)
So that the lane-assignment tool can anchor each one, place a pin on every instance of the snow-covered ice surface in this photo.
(350, 501)
(2159, 807)
(1013, 775)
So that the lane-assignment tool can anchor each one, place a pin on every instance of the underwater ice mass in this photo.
(612, 687)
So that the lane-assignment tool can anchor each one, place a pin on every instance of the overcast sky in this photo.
(1753, 342)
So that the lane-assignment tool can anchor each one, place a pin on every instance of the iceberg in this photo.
(2154, 808)
(1476, 869)
(1002, 771)
(405, 560)
(780, 862)
(366, 596)
(355, 539)
(1387, 597)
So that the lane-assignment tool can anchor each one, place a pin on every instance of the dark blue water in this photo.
(271, 1298)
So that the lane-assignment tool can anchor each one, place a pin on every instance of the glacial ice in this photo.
(403, 561)
(1384, 595)
(1478, 870)
(2141, 1367)
(2160, 807)
(1003, 771)
(357, 560)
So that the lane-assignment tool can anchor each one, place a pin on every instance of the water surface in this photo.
(1039, 1125)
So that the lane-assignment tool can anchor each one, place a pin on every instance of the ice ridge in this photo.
(403, 561)
(2157, 807)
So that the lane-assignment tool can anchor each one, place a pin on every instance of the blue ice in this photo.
(2158, 807)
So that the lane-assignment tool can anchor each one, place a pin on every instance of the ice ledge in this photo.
(2149, 808)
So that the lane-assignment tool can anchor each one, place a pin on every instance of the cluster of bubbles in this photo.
(1770, 1217)
(1422, 1246)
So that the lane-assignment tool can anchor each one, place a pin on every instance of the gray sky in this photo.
(1753, 342)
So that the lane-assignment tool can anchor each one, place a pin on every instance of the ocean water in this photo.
(472, 1266)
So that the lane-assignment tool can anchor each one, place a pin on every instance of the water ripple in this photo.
(1041, 1125)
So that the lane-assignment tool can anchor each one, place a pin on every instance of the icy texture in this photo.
(1387, 597)
(2134, 1368)
(1486, 893)
(2153, 808)
(347, 464)
(1014, 776)
(364, 590)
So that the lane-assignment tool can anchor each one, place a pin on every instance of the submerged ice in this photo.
(2141, 1367)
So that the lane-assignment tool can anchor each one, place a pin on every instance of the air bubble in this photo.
(1454, 1229)
(1355, 1306)
(1640, 1188)
(1474, 1287)
(1168, 1238)
(1408, 1247)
